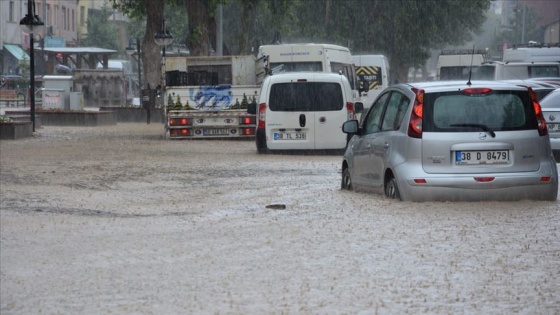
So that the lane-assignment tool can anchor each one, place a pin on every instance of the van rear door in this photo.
(306, 115)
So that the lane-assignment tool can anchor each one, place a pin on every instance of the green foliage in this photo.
(170, 101)
(100, 33)
(178, 102)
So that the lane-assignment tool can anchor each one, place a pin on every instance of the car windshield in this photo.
(496, 111)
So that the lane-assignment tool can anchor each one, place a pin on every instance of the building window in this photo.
(73, 21)
(48, 15)
(55, 17)
(63, 26)
(11, 12)
(82, 16)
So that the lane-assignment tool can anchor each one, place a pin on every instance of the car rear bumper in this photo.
(466, 187)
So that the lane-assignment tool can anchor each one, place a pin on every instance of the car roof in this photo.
(309, 75)
(552, 100)
(440, 86)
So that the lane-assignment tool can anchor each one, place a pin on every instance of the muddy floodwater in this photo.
(117, 220)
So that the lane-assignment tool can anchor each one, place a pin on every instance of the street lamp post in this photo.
(29, 24)
(163, 38)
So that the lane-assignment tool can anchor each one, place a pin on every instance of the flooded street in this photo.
(118, 220)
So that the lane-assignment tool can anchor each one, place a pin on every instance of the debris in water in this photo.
(276, 207)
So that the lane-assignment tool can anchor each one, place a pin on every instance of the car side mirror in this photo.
(358, 107)
(364, 86)
(350, 127)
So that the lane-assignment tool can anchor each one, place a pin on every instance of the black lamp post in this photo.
(29, 24)
(163, 38)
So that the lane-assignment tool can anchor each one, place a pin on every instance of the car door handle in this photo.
(384, 145)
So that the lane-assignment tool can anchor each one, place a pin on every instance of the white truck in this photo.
(455, 64)
(373, 71)
(206, 97)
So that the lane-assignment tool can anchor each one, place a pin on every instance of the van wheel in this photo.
(392, 190)
(346, 182)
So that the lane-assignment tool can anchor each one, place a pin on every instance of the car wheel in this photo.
(346, 182)
(391, 189)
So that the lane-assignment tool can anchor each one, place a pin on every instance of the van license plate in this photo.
(216, 132)
(481, 157)
(289, 136)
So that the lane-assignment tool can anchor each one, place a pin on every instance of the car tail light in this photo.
(180, 122)
(484, 179)
(350, 110)
(546, 179)
(262, 116)
(415, 125)
(477, 91)
(247, 120)
(541, 122)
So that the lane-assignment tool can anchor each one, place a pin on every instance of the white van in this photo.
(303, 111)
(373, 71)
(532, 54)
(496, 70)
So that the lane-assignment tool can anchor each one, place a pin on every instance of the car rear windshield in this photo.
(306, 96)
(459, 112)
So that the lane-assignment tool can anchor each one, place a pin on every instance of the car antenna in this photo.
(470, 69)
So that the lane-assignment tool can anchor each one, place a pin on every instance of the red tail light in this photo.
(262, 116)
(248, 120)
(179, 122)
(415, 126)
(179, 132)
(477, 91)
(541, 122)
(350, 110)
(248, 131)
(484, 179)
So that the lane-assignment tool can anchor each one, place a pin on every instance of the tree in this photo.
(151, 58)
(100, 33)
(405, 30)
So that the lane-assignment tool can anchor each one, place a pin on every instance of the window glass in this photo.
(394, 114)
(499, 111)
(280, 67)
(372, 121)
(543, 71)
(347, 70)
(308, 96)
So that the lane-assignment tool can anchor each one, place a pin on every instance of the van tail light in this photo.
(262, 116)
(350, 110)
(415, 125)
(247, 131)
(541, 122)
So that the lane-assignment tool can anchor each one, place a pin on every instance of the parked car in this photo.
(451, 140)
(303, 111)
(541, 88)
(551, 111)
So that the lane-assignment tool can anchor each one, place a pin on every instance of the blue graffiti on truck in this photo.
(213, 97)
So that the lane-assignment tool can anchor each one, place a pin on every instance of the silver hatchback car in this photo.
(484, 140)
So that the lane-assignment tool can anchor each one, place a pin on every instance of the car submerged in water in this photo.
(452, 140)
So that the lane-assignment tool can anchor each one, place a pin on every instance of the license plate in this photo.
(289, 136)
(482, 157)
(216, 132)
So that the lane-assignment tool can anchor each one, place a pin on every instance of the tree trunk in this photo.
(198, 39)
(151, 56)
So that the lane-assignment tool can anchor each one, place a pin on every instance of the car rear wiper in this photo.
(481, 126)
